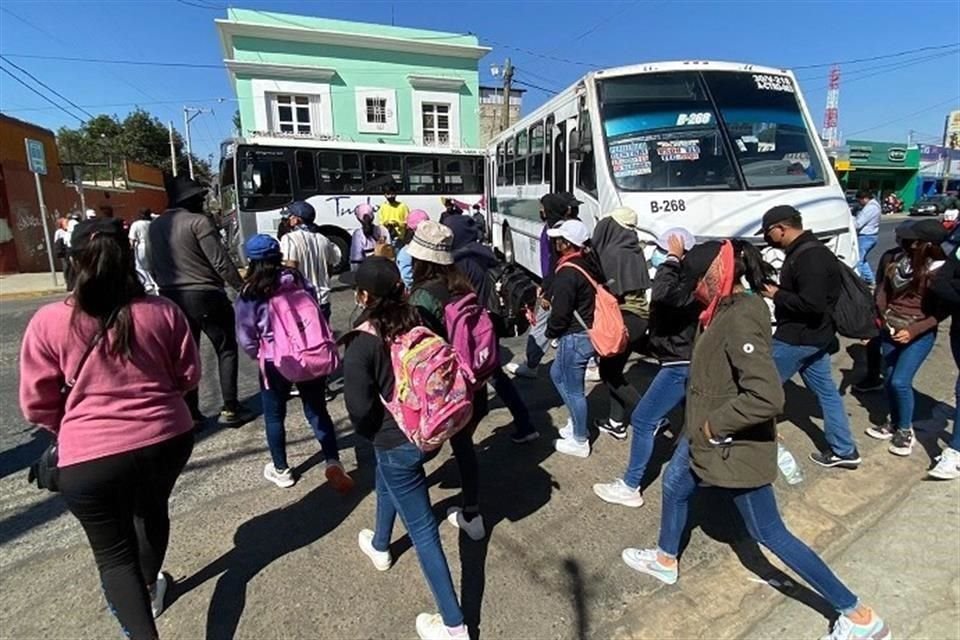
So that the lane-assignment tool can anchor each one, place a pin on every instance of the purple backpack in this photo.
(303, 344)
(473, 335)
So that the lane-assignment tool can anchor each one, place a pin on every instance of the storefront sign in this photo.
(881, 155)
(896, 154)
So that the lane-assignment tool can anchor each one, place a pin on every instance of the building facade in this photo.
(881, 167)
(306, 77)
(491, 111)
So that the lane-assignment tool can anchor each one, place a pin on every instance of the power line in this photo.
(904, 117)
(551, 92)
(72, 115)
(129, 104)
(145, 63)
(543, 55)
(527, 72)
(48, 87)
(888, 65)
(594, 28)
(871, 59)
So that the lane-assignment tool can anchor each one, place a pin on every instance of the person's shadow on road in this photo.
(265, 538)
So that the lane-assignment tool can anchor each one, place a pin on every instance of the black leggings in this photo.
(623, 396)
(121, 503)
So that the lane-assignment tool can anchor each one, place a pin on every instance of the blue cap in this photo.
(261, 247)
(301, 209)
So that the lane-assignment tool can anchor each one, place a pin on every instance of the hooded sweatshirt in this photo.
(471, 257)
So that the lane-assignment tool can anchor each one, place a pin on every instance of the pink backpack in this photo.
(474, 337)
(433, 389)
(303, 344)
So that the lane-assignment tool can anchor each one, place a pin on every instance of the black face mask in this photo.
(367, 226)
(392, 199)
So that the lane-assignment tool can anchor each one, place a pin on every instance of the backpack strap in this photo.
(583, 272)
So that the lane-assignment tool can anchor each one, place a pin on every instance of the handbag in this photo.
(45, 471)
(899, 321)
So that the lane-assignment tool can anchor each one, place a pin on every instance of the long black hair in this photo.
(455, 280)
(749, 265)
(263, 278)
(106, 284)
(390, 315)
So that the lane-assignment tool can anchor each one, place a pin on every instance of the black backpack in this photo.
(855, 315)
(512, 292)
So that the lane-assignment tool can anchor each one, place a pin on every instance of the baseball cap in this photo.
(924, 231)
(89, 229)
(415, 217)
(378, 276)
(300, 209)
(573, 231)
(363, 211)
(776, 215)
(261, 247)
(571, 199)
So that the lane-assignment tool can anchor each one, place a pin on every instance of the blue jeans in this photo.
(505, 388)
(955, 348)
(667, 389)
(537, 340)
(866, 243)
(813, 364)
(567, 371)
(758, 507)
(901, 363)
(402, 488)
(274, 402)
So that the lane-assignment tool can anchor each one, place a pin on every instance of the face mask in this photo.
(392, 199)
(658, 258)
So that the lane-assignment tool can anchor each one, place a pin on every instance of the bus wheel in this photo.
(508, 255)
(342, 240)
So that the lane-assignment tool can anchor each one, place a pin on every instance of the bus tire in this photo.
(340, 238)
(508, 255)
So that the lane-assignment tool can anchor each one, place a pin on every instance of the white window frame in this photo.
(450, 98)
(264, 107)
(389, 97)
(294, 105)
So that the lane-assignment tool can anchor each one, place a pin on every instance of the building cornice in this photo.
(278, 70)
(436, 83)
(230, 29)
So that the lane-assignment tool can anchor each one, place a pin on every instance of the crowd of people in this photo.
(119, 389)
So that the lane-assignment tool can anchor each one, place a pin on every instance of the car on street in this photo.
(930, 206)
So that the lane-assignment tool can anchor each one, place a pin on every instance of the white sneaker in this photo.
(592, 374)
(566, 432)
(157, 594)
(283, 479)
(571, 447)
(473, 528)
(431, 627)
(948, 465)
(520, 370)
(381, 559)
(646, 561)
(617, 492)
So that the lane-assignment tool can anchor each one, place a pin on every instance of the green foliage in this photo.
(140, 137)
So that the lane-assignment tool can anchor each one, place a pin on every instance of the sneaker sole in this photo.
(902, 452)
(940, 476)
(617, 435)
(376, 566)
(632, 505)
(879, 435)
(672, 579)
(842, 464)
(530, 437)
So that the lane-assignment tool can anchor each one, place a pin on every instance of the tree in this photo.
(140, 137)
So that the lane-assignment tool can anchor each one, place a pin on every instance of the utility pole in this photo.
(952, 143)
(507, 80)
(189, 113)
(173, 151)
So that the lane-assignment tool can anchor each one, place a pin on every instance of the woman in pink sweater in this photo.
(124, 430)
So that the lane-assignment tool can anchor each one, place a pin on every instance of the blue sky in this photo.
(879, 100)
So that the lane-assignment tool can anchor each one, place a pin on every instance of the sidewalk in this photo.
(907, 573)
(28, 285)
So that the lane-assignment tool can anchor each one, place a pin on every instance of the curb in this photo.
(718, 597)
(27, 295)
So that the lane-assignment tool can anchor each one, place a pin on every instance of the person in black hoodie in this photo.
(674, 314)
(474, 260)
(946, 286)
(572, 301)
(400, 478)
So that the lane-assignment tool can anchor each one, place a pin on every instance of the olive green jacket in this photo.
(735, 388)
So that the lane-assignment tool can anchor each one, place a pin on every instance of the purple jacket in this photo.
(253, 318)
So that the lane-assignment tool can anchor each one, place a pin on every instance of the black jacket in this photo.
(569, 292)
(368, 375)
(809, 288)
(674, 315)
(946, 286)
(475, 260)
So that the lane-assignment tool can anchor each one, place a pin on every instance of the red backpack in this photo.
(608, 333)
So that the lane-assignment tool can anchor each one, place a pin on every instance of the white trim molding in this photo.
(389, 97)
(451, 98)
(436, 83)
(321, 108)
(273, 69)
(230, 29)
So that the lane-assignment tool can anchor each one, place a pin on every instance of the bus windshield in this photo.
(665, 131)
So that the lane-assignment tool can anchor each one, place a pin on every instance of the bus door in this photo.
(559, 183)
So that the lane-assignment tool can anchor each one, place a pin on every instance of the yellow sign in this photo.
(842, 165)
(951, 133)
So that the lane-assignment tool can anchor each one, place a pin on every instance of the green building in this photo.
(881, 167)
(306, 77)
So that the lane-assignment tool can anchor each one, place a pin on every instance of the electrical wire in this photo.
(48, 87)
(594, 28)
(847, 134)
(551, 92)
(72, 115)
(871, 59)
(853, 74)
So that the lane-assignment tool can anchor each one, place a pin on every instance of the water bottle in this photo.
(788, 465)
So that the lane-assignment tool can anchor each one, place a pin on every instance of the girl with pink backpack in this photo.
(370, 376)
(280, 324)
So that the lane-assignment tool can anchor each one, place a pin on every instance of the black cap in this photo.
(571, 199)
(87, 230)
(555, 206)
(377, 276)
(924, 231)
(776, 215)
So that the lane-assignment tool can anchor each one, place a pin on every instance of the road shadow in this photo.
(257, 545)
(24, 454)
(799, 407)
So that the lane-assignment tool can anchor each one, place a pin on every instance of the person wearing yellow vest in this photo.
(393, 213)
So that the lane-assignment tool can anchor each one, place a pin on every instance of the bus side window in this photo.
(381, 170)
(266, 184)
(560, 159)
(423, 174)
(462, 175)
(548, 151)
(535, 159)
(520, 164)
(340, 172)
(306, 172)
(587, 173)
(501, 170)
(508, 162)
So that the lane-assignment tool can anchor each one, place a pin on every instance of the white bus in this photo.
(259, 176)
(709, 146)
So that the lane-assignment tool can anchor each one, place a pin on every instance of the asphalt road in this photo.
(253, 560)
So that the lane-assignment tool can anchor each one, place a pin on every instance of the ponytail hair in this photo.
(750, 265)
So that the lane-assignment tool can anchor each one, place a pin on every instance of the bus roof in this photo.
(318, 143)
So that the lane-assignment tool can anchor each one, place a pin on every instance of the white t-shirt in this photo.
(314, 254)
